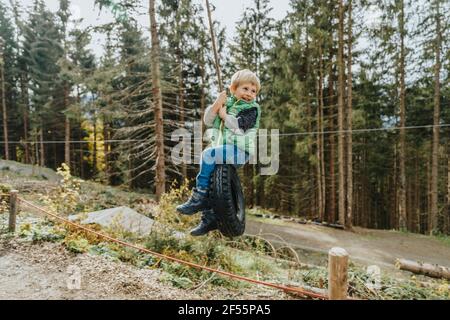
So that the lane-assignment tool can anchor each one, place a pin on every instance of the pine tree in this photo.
(7, 78)
(41, 49)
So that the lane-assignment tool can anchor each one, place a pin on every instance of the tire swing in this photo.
(228, 201)
(226, 194)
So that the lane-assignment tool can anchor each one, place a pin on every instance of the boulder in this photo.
(123, 218)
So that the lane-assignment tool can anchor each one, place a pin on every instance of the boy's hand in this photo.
(221, 100)
(223, 113)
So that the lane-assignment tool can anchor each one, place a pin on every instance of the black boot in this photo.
(208, 223)
(199, 201)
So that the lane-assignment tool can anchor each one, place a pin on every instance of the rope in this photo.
(356, 131)
(296, 290)
(214, 46)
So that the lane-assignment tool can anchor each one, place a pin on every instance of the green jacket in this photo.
(222, 135)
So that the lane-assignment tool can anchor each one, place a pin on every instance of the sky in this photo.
(228, 13)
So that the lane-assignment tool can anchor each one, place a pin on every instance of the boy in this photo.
(236, 120)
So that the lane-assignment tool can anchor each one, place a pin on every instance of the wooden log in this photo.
(337, 274)
(426, 269)
(12, 210)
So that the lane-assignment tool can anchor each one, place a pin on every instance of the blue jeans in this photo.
(225, 154)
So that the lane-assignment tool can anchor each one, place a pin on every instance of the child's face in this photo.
(245, 91)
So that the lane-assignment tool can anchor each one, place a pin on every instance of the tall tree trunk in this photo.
(402, 149)
(332, 204)
(26, 107)
(341, 93)
(94, 152)
(106, 148)
(160, 179)
(81, 145)
(35, 149)
(203, 90)
(312, 178)
(67, 127)
(320, 141)
(4, 109)
(41, 139)
(434, 219)
(319, 159)
(179, 50)
(81, 155)
(349, 218)
(309, 115)
(182, 116)
(67, 143)
(394, 217)
(427, 219)
(417, 186)
(322, 146)
(447, 223)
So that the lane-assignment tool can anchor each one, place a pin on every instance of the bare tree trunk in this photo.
(5, 112)
(67, 143)
(35, 153)
(94, 152)
(182, 116)
(181, 86)
(394, 216)
(67, 127)
(319, 158)
(341, 160)
(106, 148)
(41, 139)
(428, 217)
(320, 141)
(81, 154)
(160, 179)
(447, 219)
(349, 218)
(322, 145)
(312, 177)
(25, 101)
(332, 206)
(203, 93)
(434, 219)
(416, 226)
(402, 151)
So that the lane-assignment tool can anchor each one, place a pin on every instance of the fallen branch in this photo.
(427, 269)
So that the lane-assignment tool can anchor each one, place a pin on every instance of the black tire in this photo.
(228, 201)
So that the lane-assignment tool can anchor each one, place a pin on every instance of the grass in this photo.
(445, 239)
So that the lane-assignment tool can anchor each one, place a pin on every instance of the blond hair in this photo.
(245, 76)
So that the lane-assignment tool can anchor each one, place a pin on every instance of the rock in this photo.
(124, 218)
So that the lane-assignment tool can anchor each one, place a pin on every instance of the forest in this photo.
(359, 90)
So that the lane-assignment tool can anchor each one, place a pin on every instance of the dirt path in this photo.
(41, 272)
(367, 247)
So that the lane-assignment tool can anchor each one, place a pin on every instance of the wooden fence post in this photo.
(337, 274)
(12, 210)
